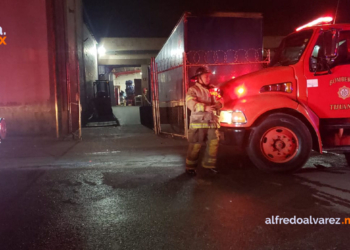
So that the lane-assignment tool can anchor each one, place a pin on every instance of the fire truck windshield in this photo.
(291, 49)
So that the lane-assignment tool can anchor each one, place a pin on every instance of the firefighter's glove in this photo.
(210, 109)
(218, 105)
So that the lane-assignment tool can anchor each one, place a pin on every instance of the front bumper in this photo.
(237, 137)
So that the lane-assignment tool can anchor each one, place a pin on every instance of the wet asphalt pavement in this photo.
(124, 188)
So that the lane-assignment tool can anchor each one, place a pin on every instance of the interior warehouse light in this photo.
(327, 19)
(101, 50)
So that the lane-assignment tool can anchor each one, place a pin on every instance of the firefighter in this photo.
(204, 104)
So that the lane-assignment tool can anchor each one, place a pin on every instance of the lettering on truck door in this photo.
(329, 93)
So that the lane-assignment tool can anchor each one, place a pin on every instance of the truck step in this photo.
(342, 149)
(334, 126)
(334, 123)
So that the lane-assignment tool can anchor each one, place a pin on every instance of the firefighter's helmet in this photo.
(200, 71)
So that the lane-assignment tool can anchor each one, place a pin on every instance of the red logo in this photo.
(344, 92)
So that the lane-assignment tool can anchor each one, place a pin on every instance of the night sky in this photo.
(157, 18)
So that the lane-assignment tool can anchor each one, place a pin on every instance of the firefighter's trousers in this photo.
(196, 137)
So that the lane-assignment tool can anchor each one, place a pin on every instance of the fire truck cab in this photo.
(301, 102)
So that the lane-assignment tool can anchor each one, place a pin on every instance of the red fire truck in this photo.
(301, 102)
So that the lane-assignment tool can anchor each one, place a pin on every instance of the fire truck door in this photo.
(328, 87)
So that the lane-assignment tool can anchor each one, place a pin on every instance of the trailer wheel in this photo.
(280, 143)
(347, 157)
(3, 129)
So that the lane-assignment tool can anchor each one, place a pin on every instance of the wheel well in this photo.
(296, 114)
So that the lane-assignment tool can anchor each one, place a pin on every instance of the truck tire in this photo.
(281, 143)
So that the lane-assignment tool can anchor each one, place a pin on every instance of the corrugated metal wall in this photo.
(26, 92)
(39, 66)
(170, 82)
(90, 70)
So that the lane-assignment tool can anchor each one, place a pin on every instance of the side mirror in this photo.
(331, 43)
(313, 64)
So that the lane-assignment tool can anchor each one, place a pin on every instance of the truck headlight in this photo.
(279, 87)
(232, 117)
